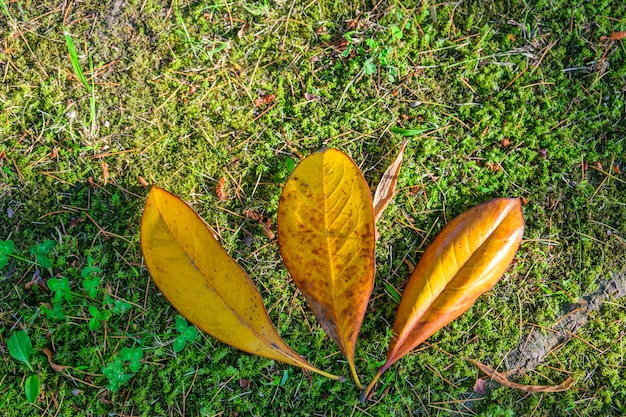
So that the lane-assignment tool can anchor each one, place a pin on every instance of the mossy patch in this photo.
(517, 99)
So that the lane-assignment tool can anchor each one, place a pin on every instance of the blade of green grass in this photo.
(5, 10)
(71, 49)
(407, 132)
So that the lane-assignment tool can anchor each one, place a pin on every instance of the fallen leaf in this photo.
(387, 186)
(252, 215)
(615, 36)
(480, 387)
(326, 238)
(467, 258)
(503, 380)
(54, 366)
(266, 223)
(311, 97)
(220, 189)
(205, 284)
(105, 172)
(264, 99)
(267, 229)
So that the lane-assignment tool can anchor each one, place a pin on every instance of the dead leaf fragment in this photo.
(105, 172)
(265, 222)
(615, 36)
(37, 280)
(54, 366)
(503, 380)
(264, 99)
(252, 215)
(267, 229)
(480, 387)
(387, 186)
(311, 97)
(220, 189)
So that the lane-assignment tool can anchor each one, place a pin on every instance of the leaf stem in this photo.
(22, 259)
(365, 396)
(327, 375)
(355, 376)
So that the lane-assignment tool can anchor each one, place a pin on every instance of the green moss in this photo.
(175, 92)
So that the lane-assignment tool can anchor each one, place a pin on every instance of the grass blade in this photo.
(5, 10)
(407, 132)
(71, 49)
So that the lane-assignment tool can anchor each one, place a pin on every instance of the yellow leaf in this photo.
(326, 237)
(204, 283)
(466, 259)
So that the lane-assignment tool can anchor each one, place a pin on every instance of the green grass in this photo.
(514, 99)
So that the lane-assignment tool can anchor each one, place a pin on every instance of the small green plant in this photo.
(61, 289)
(133, 356)
(97, 317)
(53, 312)
(32, 386)
(21, 349)
(187, 334)
(41, 251)
(5, 10)
(119, 306)
(279, 380)
(90, 279)
(379, 52)
(115, 371)
(6, 249)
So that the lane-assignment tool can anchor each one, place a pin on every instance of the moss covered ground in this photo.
(515, 98)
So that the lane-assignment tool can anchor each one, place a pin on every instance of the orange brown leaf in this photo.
(220, 189)
(466, 259)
